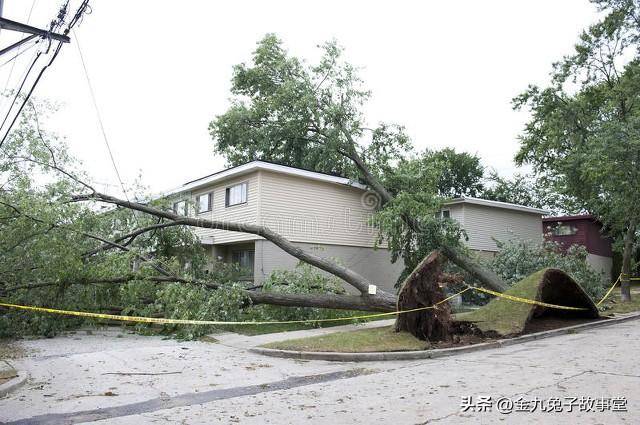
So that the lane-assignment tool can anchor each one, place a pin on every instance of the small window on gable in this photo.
(565, 230)
(204, 202)
(180, 207)
(236, 195)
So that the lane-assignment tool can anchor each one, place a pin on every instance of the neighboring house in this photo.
(583, 230)
(487, 221)
(325, 214)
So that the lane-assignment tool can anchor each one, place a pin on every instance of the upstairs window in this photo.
(236, 195)
(203, 202)
(564, 230)
(180, 207)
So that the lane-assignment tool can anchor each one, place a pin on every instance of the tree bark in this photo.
(625, 281)
(382, 302)
(422, 289)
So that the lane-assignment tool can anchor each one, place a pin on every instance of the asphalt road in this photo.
(591, 377)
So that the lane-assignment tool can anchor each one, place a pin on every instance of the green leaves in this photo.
(301, 115)
(518, 259)
(583, 133)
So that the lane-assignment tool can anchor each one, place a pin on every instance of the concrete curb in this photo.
(14, 383)
(432, 354)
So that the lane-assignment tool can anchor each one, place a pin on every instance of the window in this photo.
(244, 259)
(204, 201)
(180, 207)
(443, 214)
(565, 230)
(236, 194)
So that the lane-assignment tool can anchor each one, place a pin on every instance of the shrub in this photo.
(518, 259)
(304, 279)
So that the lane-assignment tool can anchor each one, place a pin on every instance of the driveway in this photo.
(118, 378)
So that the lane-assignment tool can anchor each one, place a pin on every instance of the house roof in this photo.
(314, 175)
(495, 204)
(589, 217)
(262, 165)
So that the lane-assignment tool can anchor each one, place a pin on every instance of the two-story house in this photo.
(327, 215)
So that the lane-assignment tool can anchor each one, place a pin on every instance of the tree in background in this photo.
(584, 133)
(528, 190)
(459, 174)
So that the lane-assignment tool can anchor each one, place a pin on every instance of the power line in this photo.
(99, 116)
(55, 24)
(19, 52)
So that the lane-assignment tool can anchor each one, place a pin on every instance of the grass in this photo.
(613, 304)
(503, 316)
(359, 341)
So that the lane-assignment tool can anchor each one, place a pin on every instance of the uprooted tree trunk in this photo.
(381, 301)
(422, 289)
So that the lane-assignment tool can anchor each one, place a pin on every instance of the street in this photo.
(119, 378)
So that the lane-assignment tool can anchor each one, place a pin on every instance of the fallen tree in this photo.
(382, 301)
(423, 289)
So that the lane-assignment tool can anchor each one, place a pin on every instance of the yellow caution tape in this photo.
(282, 322)
(525, 300)
(609, 291)
(212, 322)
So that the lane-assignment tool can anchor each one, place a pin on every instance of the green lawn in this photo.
(613, 305)
(358, 341)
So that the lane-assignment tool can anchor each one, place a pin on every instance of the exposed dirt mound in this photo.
(552, 286)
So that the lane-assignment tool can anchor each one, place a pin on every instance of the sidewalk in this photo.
(235, 340)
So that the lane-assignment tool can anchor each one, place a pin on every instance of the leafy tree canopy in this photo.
(308, 116)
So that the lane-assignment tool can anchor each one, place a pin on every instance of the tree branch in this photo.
(348, 275)
(129, 237)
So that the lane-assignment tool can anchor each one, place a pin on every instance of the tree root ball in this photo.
(422, 289)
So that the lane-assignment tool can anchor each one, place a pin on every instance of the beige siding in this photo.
(483, 224)
(304, 210)
(456, 212)
(373, 264)
(243, 213)
(601, 265)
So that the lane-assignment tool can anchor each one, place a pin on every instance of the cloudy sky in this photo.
(161, 71)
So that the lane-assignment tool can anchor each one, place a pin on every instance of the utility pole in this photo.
(34, 32)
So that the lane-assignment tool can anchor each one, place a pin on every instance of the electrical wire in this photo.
(20, 52)
(55, 25)
(6, 84)
(99, 116)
